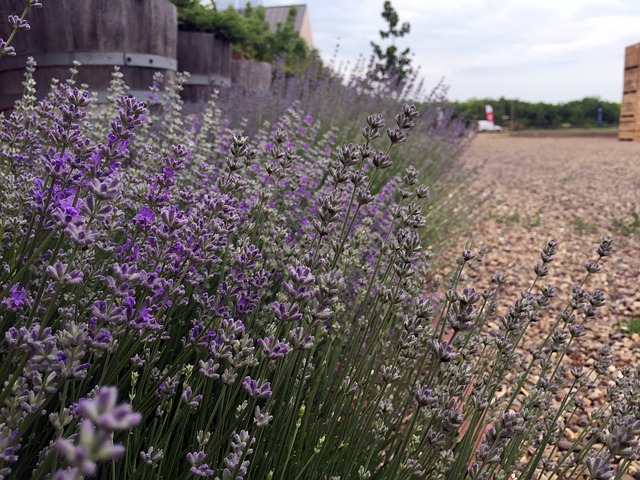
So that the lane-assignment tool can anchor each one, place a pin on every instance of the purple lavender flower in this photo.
(6, 50)
(152, 456)
(209, 369)
(198, 468)
(286, 311)
(444, 351)
(257, 389)
(424, 396)
(9, 445)
(16, 299)
(236, 462)
(272, 348)
(80, 455)
(145, 216)
(190, 399)
(103, 411)
(300, 340)
(599, 468)
(102, 417)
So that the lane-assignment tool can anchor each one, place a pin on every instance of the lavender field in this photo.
(192, 295)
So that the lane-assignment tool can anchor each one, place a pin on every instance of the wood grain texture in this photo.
(253, 76)
(203, 55)
(131, 26)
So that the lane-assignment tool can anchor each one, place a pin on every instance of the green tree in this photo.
(391, 65)
(194, 16)
(258, 43)
(288, 45)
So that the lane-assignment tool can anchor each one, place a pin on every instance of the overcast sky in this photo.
(534, 50)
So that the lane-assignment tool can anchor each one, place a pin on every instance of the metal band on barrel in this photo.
(62, 59)
(205, 80)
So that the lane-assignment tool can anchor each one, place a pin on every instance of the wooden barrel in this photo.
(252, 76)
(207, 58)
(139, 36)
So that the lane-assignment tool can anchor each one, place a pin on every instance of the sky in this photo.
(534, 50)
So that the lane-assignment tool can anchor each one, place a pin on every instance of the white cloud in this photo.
(551, 50)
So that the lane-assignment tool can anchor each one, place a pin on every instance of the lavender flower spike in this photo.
(103, 411)
(257, 389)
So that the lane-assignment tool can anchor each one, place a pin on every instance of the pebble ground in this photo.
(574, 190)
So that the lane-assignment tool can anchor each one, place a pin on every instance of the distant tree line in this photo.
(577, 113)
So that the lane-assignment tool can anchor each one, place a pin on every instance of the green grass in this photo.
(565, 132)
(508, 218)
(628, 227)
(631, 326)
(568, 178)
(537, 220)
(580, 225)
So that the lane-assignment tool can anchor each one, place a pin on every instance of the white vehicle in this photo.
(487, 126)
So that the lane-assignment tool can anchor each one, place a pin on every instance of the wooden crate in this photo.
(630, 107)
(631, 77)
(627, 130)
(632, 56)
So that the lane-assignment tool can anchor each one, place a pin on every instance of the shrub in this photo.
(177, 299)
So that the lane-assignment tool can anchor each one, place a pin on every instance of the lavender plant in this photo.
(17, 23)
(178, 300)
(341, 96)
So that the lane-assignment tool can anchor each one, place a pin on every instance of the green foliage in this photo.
(390, 63)
(509, 218)
(580, 225)
(288, 44)
(577, 113)
(628, 226)
(195, 17)
(633, 325)
(537, 220)
(258, 41)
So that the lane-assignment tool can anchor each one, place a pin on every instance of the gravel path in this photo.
(575, 190)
